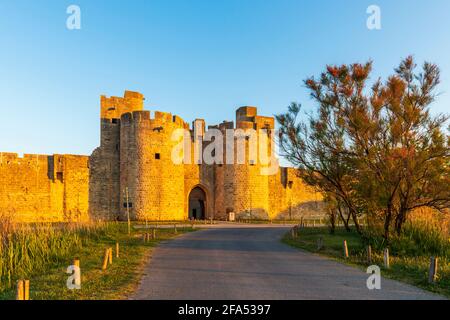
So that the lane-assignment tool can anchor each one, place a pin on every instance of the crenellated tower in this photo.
(136, 158)
(104, 186)
(243, 184)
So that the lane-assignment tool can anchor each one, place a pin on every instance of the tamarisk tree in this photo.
(375, 151)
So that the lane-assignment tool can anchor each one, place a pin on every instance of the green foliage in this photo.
(419, 240)
(42, 253)
(409, 253)
(376, 151)
(416, 239)
(30, 249)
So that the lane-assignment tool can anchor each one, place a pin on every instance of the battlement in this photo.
(145, 119)
(13, 158)
(226, 125)
(56, 160)
(246, 113)
(130, 108)
(247, 118)
(113, 107)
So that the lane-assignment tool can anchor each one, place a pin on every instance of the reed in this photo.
(27, 249)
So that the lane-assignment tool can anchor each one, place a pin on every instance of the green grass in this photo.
(408, 263)
(48, 277)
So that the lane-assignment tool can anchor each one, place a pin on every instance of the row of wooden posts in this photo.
(108, 256)
(308, 222)
(433, 270)
(23, 286)
(146, 237)
(150, 236)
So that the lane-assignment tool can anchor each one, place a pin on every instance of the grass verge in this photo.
(117, 282)
(411, 269)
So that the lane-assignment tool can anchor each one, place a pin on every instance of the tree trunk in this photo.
(344, 220)
(332, 221)
(387, 224)
(355, 221)
(354, 215)
(400, 220)
(347, 223)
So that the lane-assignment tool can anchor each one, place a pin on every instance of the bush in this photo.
(418, 238)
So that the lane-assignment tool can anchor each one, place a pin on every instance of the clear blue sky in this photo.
(192, 58)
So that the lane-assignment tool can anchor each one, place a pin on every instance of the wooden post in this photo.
(345, 249)
(319, 243)
(154, 234)
(117, 249)
(175, 229)
(105, 259)
(293, 233)
(110, 256)
(26, 290)
(386, 258)
(369, 254)
(432, 276)
(23, 290)
(20, 294)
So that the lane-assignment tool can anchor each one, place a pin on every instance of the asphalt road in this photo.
(249, 262)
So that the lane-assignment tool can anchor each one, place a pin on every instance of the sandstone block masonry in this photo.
(44, 187)
(133, 171)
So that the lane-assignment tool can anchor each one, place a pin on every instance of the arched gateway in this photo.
(197, 204)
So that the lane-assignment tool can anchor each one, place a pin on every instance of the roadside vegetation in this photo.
(41, 253)
(381, 159)
(372, 149)
(409, 252)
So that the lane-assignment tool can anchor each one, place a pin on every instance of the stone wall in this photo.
(135, 159)
(43, 187)
(135, 154)
(291, 198)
